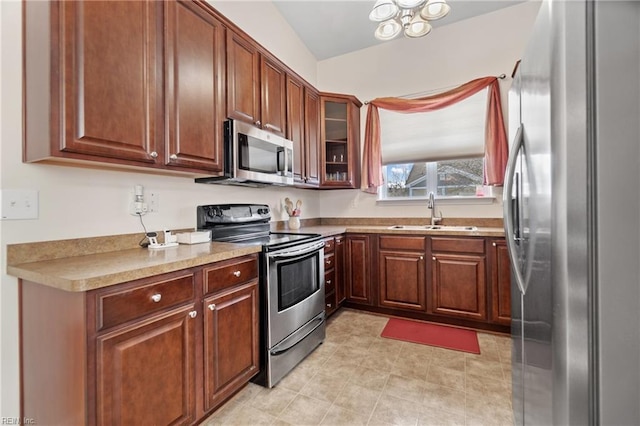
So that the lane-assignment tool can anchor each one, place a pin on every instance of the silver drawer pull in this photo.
(494, 244)
(156, 297)
(329, 305)
(421, 257)
(434, 258)
(237, 273)
(212, 307)
(193, 314)
(328, 262)
(328, 282)
(173, 157)
(154, 154)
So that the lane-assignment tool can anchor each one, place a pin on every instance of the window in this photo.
(447, 178)
(440, 151)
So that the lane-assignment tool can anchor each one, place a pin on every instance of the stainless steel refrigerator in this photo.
(572, 216)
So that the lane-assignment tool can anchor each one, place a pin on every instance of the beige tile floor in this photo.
(357, 377)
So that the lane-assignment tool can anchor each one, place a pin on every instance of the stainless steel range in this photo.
(292, 283)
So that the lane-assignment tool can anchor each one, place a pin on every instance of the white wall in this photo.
(79, 202)
(449, 56)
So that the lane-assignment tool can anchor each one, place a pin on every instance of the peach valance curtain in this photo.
(495, 152)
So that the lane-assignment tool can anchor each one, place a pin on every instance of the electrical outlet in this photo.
(154, 202)
(19, 204)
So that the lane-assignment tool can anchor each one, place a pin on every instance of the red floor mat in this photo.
(431, 334)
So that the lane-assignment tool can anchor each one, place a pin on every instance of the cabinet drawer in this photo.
(463, 245)
(393, 242)
(329, 244)
(329, 282)
(329, 261)
(230, 273)
(120, 307)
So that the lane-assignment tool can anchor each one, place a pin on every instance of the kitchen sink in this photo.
(434, 228)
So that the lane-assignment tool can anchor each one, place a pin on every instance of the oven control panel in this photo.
(232, 213)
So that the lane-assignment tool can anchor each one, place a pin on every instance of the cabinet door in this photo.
(231, 340)
(358, 266)
(145, 372)
(339, 269)
(340, 136)
(312, 135)
(273, 101)
(243, 79)
(459, 286)
(500, 283)
(194, 78)
(402, 280)
(295, 126)
(111, 76)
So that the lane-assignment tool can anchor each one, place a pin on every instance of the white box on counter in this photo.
(195, 237)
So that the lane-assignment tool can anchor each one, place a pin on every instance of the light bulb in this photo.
(435, 9)
(388, 30)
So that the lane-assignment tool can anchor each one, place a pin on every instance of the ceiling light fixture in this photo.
(412, 15)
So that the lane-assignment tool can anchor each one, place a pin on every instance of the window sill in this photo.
(439, 201)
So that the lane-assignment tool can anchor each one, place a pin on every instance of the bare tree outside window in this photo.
(449, 178)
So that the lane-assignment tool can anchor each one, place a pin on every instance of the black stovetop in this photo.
(246, 224)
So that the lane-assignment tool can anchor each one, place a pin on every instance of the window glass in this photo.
(447, 178)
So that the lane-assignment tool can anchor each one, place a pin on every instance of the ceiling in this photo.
(334, 27)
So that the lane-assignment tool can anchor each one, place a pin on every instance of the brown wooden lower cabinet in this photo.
(339, 269)
(164, 350)
(460, 280)
(231, 336)
(459, 286)
(145, 372)
(500, 282)
(358, 269)
(401, 262)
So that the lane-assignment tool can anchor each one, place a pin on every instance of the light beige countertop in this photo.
(92, 271)
(329, 230)
(89, 263)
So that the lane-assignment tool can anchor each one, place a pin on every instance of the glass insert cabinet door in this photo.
(340, 141)
(336, 142)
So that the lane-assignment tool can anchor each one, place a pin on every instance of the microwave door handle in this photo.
(280, 161)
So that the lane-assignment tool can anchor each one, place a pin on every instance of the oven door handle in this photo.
(293, 253)
(297, 337)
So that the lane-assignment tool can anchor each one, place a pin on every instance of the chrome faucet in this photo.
(431, 205)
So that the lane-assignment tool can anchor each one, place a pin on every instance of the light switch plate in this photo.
(19, 204)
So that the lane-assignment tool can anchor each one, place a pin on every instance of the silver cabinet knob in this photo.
(329, 305)
(494, 244)
(156, 297)
(154, 154)
(421, 257)
(434, 258)
(328, 281)
(258, 123)
(212, 307)
(237, 274)
(173, 157)
(328, 262)
(193, 314)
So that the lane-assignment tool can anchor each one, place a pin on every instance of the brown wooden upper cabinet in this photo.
(256, 85)
(194, 81)
(98, 95)
(340, 141)
(303, 128)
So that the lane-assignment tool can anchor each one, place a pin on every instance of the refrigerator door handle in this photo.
(509, 210)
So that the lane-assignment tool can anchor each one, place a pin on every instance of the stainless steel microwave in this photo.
(254, 157)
